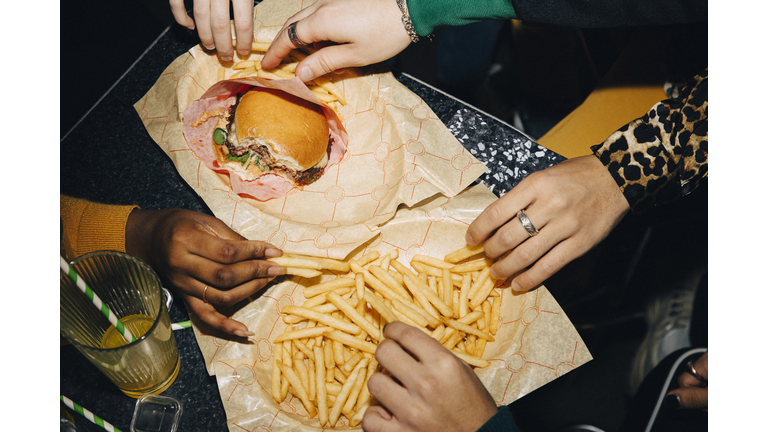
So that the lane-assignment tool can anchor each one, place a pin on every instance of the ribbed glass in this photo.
(133, 291)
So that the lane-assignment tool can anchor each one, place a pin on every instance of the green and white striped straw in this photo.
(181, 325)
(89, 415)
(106, 311)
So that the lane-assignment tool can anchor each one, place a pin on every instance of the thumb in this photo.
(692, 397)
(325, 60)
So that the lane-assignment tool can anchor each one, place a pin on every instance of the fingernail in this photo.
(272, 253)
(468, 238)
(241, 333)
(384, 328)
(276, 271)
(210, 47)
(672, 401)
(226, 58)
(305, 73)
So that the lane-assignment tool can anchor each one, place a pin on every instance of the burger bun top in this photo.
(295, 130)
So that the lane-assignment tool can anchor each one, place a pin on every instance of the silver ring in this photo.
(205, 290)
(294, 37)
(532, 231)
(692, 370)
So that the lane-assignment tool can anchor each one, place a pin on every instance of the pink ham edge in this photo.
(222, 95)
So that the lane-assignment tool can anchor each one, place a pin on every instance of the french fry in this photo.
(357, 387)
(303, 272)
(493, 325)
(301, 346)
(436, 301)
(294, 380)
(447, 287)
(304, 262)
(467, 329)
(464, 253)
(256, 46)
(325, 82)
(276, 374)
(303, 373)
(471, 266)
(352, 341)
(484, 275)
(244, 73)
(405, 319)
(375, 283)
(470, 359)
(322, 318)
(322, 288)
(412, 314)
(352, 362)
(482, 293)
(388, 280)
(432, 262)
(287, 356)
(425, 269)
(471, 317)
(365, 394)
(319, 262)
(320, 386)
(466, 286)
(357, 417)
(353, 315)
(300, 334)
(346, 389)
(245, 64)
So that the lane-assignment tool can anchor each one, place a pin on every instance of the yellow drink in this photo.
(139, 325)
(142, 370)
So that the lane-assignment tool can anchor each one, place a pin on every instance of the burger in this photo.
(269, 131)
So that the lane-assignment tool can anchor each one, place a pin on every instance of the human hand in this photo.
(574, 205)
(693, 392)
(194, 251)
(364, 32)
(434, 391)
(213, 27)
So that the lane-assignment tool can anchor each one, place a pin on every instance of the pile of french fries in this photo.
(326, 355)
(322, 87)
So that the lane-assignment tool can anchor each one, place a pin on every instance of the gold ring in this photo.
(205, 290)
(692, 371)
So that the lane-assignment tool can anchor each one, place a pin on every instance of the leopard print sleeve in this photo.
(662, 155)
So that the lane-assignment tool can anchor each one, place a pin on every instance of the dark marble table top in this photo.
(109, 157)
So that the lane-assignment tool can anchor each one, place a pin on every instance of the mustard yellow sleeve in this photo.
(90, 226)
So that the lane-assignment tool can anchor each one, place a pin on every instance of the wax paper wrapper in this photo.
(535, 342)
(398, 152)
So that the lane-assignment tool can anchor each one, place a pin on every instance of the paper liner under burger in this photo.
(218, 99)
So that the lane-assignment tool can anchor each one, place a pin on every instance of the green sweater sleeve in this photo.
(427, 15)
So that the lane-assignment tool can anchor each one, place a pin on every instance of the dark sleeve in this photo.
(664, 154)
(610, 13)
(501, 422)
